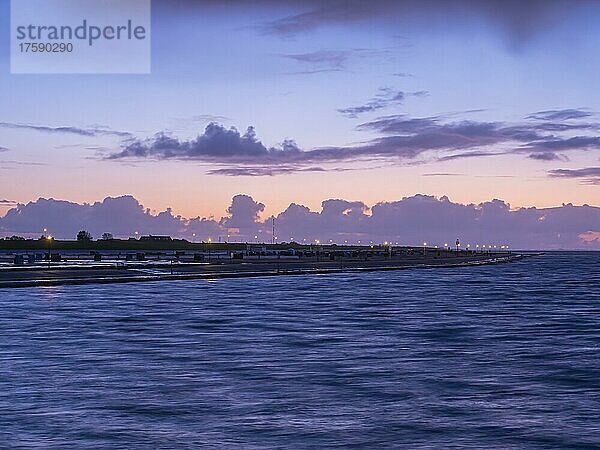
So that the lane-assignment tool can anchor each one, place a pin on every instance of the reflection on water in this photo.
(483, 357)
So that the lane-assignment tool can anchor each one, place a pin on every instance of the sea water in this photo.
(504, 356)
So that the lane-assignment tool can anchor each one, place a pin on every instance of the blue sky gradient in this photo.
(303, 72)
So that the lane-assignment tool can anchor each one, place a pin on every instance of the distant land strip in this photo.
(111, 275)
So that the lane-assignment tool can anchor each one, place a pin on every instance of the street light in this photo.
(209, 240)
(49, 239)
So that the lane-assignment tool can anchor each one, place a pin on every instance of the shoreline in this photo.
(113, 275)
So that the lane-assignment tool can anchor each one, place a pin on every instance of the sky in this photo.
(300, 102)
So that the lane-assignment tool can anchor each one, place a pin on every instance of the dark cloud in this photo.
(217, 143)
(313, 71)
(589, 175)
(571, 143)
(560, 114)
(560, 127)
(384, 98)
(411, 220)
(7, 202)
(433, 138)
(88, 132)
(467, 155)
(4, 149)
(209, 118)
(262, 171)
(547, 156)
(434, 133)
(516, 19)
(323, 59)
(442, 174)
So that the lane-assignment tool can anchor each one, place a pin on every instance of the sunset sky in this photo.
(365, 101)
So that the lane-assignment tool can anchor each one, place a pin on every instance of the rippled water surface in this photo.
(504, 356)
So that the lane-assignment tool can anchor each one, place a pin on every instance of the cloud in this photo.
(516, 20)
(322, 59)
(262, 171)
(589, 175)
(7, 202)
(560, 114)
(411, 220)
(243, 214)
(88, 132)
(65, 219)
(467, 155)
(13, 162)
(209, 118)
(4, 149)
(442, 174)
(570, 143)
(216, 143)
(385, 97)
(435, 133)
(438, 220)
(410, 139)
(313, 71)
(547, 156)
